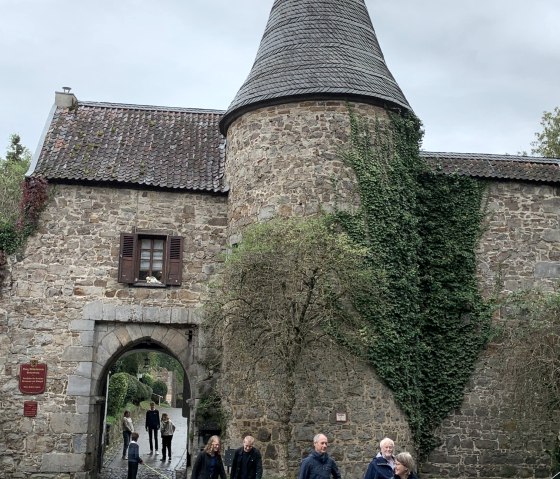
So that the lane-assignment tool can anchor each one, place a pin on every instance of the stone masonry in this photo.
(285, 161)
(63, 306)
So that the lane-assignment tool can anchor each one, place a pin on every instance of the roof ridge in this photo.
(488, 156)
(129, 106)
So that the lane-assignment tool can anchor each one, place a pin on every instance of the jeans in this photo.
(126, 441)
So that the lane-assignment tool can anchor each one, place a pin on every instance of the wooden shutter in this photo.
(127, 258)
(174, 259)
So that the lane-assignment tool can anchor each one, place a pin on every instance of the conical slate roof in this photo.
(317, 49)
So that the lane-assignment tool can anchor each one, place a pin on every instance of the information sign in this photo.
(32, 378)
(30, 408)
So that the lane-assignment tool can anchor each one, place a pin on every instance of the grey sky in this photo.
(479, 74)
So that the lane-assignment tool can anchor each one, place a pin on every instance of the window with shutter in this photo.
(150, 259)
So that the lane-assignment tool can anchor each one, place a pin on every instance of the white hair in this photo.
(386, 440)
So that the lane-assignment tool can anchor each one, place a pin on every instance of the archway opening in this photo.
(143, 373)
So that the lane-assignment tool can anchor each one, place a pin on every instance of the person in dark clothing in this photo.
(152, 426)
(208, 464)
(319, 465)
(382, 466)
(404, 466)
(133, 456)
(247, 461)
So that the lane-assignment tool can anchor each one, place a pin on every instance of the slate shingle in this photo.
(143, 145)
(483, 165)
(317, 49)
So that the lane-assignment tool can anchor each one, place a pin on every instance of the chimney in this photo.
(65, 99)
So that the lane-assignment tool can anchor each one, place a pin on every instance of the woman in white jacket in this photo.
(127, 430)
(167, 429)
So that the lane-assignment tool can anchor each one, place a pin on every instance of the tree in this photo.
(290, 285)
(547, 143)
(12, 173)
(16, 151)
(533, 342)
(160, 388)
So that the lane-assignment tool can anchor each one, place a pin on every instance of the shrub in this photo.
(160, 388)
(118, 386)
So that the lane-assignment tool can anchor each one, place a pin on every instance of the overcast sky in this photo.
(479, 74)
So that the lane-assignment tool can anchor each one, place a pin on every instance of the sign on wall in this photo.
(30, 408)
(32, 378)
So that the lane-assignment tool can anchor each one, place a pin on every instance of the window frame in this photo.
(129, 259)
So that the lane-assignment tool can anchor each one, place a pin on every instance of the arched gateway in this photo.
(113, 341)
(141, 208)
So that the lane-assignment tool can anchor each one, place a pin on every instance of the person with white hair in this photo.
(382, 465)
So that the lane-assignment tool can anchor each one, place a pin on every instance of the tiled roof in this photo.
(143, 145)
(182, 148)
(317, 49)
(511, 167)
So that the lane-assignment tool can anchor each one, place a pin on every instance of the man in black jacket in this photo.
(152, 426)
(247, 462)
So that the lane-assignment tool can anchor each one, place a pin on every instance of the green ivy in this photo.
(209, 412)
(421, 229)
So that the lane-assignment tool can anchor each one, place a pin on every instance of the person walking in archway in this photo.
(127, 430)
(152, 426)
(167, 430)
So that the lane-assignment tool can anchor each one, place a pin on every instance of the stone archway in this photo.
(111, 342)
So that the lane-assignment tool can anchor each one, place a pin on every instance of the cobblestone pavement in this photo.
(114, 467)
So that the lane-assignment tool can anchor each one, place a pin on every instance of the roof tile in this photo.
(484, 165)
(146, 145)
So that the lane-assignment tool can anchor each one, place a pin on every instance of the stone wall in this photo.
(329, 381)
(519, 250)
(62, 305)
(520, 246)
(285, 161)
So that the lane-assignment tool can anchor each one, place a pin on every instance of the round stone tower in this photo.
(289, 120)
(285, 131)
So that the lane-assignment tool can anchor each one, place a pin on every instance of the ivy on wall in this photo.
(13, 236)
(421, 229)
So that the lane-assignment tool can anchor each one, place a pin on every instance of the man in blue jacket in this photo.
(319, 465)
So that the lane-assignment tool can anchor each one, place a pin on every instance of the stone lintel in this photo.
(99, 311)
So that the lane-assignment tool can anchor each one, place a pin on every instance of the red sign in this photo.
(32, 378)
(30, 408)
